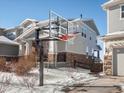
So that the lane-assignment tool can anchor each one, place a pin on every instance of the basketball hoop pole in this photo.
(50, 24)
(40, 55)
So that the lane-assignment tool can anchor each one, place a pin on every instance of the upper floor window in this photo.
(90, 38)
(96, 41)
(122, 11)
(83, 34)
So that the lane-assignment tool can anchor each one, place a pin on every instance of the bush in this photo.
(25, 64)
(3, 66)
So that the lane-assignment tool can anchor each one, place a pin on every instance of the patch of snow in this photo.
(54, 80)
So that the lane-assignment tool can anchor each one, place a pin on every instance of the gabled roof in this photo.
(112, 3)
(27, 21)
(92, 25)
(4, 40)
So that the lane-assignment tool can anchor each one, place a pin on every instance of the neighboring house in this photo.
(6, 33)
(114, 40)
(8, 48)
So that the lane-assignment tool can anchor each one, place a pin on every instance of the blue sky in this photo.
(12, 12)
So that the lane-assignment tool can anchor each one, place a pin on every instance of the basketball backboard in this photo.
(58, 25)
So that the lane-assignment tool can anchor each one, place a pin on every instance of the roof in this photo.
(4, 40)
(27, 21)
(2, 28)
(89, 22)
(111, 3)
(92, 25)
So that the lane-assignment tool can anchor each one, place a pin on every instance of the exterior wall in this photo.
(78, 45)
(81, 45)
(61, 46)
(9, 50)
(115, 23)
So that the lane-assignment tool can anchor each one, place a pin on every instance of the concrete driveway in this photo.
(105, 84)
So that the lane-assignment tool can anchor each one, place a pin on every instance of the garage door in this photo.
(118, 61)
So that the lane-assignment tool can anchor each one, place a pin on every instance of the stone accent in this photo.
(72, 58)
(107, 66)
(96, 67)
(79, 60)
(61, 57)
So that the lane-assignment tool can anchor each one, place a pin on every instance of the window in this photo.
(122, 11)
(90, 38)
(82, 34)
(96, 41)
(85, 35)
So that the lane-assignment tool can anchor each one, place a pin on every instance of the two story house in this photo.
(114, 40)
(81, 48)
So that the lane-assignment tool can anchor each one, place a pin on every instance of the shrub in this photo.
(3, 66)
(25, 64)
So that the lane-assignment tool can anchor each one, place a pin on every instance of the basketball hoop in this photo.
(66, 37)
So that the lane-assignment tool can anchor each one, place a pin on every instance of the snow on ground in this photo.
(54, 80)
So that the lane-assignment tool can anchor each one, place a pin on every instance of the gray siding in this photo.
(115, 23)
(79, 44)
(9, 50)
(61, 46)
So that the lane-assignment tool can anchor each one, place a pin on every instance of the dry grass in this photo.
(25, 64)
(3, 66)
(21, 67)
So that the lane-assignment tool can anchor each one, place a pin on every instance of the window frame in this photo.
(121, 11)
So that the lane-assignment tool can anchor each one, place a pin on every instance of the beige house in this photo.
(114, 40)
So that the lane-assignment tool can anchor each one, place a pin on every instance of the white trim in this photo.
(116, 33)
(112, 63)
(103, 5)
(104, 44)
(111, 3)
(108, 21)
